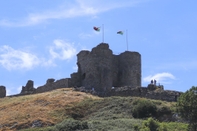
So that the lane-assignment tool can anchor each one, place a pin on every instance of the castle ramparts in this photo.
(102, 73)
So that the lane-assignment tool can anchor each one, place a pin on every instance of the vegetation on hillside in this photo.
(187, 107)
(65, 109)
(48, 108)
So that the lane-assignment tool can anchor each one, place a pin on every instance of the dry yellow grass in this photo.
(47, 107)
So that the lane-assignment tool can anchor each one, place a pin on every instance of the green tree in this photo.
(187, 107)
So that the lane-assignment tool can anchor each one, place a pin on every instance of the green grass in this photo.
(71, 110)
(112, 114)
(112, 125)
(175, 126)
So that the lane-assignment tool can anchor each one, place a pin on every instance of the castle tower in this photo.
(95, 68)
(129, 69)
(101, 70)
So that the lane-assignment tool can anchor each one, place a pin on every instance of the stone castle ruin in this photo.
(102, 73)
(101, 70)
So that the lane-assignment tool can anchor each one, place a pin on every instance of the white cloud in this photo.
(78, 9)
(62, 50)
(12, 59)
(160, 77)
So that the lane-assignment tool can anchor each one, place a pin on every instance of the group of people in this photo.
(153, 82)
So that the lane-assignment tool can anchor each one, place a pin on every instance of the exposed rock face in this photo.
(101, 70)
(29, 88)
(2, 91)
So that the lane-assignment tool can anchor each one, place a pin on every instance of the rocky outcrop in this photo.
(2, 91)
(29, 88)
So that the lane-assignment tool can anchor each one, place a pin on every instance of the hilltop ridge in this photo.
(46, 111)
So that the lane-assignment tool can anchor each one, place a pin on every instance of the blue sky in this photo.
(40, 38)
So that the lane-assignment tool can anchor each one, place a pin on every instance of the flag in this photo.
(96, 28)
(120, 32)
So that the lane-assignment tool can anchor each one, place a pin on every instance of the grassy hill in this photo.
(66, 109)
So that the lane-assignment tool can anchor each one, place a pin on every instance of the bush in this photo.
(164, 110)
(71, 125)
(162, 127)
(136, 127)
(144, 108)
(151, 125)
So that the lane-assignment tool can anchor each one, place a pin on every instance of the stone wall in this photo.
(2, 91)
(98, 69)
(29, 88)
(51, 84)
(101, 70)
(129, 69)
(158, 94)
(102, 73)
(94, 68)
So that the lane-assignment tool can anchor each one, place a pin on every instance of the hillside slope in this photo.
(66, 108)
(45, 108)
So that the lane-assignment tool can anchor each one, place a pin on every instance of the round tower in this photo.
(95, 68)
(129, 69)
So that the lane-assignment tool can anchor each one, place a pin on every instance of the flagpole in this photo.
(127, 40)
(103, 33)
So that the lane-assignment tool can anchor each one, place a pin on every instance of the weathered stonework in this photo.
(102, 73)
(158, 93)
(51, 84)
(101, 70)
(2, 91)
(29, 88)
(98, 69)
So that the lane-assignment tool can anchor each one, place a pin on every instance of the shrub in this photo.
(164, 111)
(136, 127)
(144, 108)
(162, 127)
(151, 124)
(145, 129)
(71, 125)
